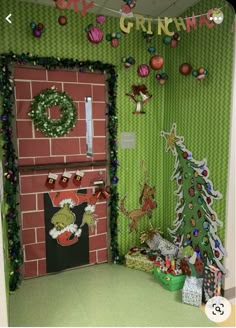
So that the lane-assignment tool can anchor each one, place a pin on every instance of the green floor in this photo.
(101, 295)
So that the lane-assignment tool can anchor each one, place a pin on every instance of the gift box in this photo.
(168, 280)
(192, 291)
(151, 237)
(138, 261)
(212, 280)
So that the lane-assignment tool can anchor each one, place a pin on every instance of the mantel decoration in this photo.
(9, 156)
(53, 127)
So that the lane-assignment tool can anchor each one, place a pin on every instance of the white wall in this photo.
(230, 212)
(3, 301)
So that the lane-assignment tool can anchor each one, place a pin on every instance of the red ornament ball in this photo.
(62, 20)
(156, 62)
(199, 213)
(143, 70)
(185, 69)
(217, 254)
(114, 43)
(40, 26)
(95, 34)
(185, 154)
(204, 173)
(173, 43)
(191, 192)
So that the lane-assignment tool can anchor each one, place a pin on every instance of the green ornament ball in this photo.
(167, 39)
(195, 73)
(108, 37)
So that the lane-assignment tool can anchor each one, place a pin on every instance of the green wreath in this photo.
(42, 121)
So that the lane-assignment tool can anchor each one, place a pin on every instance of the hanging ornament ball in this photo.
(167, 39)
(217, 253)
(190, 206)
(130, 60)
(200, 200)
(108, 37)
(33, 25)
(40, 26)
(208, 200)
(204, 173)
(205, 225)
(205, 72)
(199, 213)
(174, 43)
(196, 174)
(195, 232)
(151, 50)
(185, 154)
(143, 70)
(95, 35)
(37, 33)
(156, 62)
(118, 35)
(199, 186)
(201, 70)
(191, 191)
(62, 20)
(176, 36)
(188, 236)
(100, 19)
(195, 73)
(158, 76)
(192, 222)
(114, 43)
(185, 69)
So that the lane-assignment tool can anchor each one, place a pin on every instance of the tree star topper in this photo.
(171, 139)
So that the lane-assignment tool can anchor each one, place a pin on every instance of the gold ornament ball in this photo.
(156, 62)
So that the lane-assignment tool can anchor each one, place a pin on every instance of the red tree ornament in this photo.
(156, 62)
(95, 35)
(143, 70)
(185, 69)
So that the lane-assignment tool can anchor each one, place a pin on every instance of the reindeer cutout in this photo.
(148, 204)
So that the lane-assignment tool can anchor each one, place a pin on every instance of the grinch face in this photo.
(63, 217)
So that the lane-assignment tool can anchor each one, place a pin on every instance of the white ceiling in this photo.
(147, 8)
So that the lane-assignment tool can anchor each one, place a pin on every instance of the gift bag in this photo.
(212, 280)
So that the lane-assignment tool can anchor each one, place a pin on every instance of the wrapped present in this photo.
(139, 261)
(168, 280)
(151, 237)
(192, 291)
(212, 280)
(167, 248)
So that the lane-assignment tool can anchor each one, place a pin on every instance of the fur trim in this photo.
(54, 233)
(67, 201)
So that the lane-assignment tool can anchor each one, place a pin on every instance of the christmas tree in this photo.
(196, 223)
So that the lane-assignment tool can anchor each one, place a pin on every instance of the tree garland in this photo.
(9, 156)
(53, 127)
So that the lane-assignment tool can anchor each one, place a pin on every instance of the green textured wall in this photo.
(201, 110)
(70, 42)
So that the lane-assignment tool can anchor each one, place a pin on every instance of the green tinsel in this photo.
(51, 127)
(10, 158)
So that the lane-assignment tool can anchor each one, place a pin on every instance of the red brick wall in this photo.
(35, 148)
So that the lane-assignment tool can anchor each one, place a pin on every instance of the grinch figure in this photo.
(65, 230)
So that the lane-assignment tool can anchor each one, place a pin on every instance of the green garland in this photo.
(53, 127)
(9, 156)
